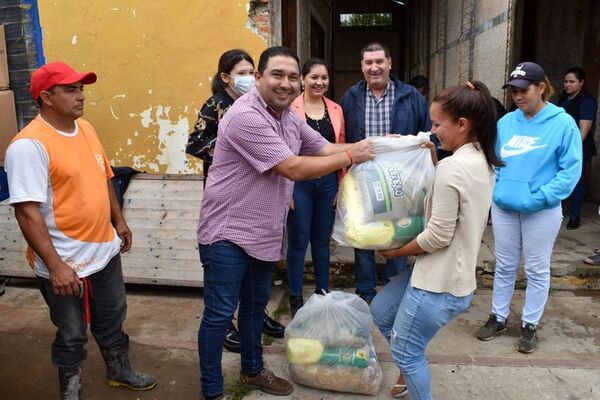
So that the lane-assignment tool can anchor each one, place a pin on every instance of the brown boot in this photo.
(267, 382)
(399, 389)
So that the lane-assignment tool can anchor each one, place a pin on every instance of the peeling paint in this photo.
(146, 120)
(113, 113)
(172, 137)
(251, 26)
(135, 121)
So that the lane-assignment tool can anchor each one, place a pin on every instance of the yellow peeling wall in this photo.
(154, 60)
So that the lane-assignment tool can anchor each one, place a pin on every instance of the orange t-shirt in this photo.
(76, 207)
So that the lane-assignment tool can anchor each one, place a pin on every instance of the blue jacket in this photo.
(542, 159)
(411, 113)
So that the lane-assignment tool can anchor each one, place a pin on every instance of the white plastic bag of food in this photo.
(381, 203)
(328, 345)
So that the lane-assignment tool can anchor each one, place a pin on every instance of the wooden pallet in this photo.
(162, 213)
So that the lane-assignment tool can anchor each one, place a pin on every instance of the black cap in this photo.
(524, 75)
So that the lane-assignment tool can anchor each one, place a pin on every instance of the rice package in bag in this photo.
(329, 346)
(381, 203)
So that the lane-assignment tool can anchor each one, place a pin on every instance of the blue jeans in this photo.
(365, 271)
(108, 308)
(311, 220)
(409, 318)
(231, 275)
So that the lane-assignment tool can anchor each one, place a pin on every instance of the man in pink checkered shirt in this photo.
(262, 147)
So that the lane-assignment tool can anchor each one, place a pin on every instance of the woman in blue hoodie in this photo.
(540, 146)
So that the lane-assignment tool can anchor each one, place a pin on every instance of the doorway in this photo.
(355, 24)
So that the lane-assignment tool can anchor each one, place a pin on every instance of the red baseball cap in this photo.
(57, 73)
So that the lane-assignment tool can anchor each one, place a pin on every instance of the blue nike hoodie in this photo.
(542, 159)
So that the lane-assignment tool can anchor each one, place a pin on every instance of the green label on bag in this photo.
(378, 190)
(386, 185)
(352, 357)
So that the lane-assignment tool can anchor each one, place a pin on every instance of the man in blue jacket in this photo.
(376, 106)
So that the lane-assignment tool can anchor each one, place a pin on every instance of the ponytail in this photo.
(549, 90)
(474, 102)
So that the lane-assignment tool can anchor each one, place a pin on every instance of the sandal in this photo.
(593, 260)
(399, 389)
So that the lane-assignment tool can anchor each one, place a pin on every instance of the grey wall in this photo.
(20, 46)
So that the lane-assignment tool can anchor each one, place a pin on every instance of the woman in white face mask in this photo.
(233, 79)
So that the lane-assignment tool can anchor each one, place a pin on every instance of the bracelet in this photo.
(349, 157)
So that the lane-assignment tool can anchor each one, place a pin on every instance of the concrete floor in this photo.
(163, 325)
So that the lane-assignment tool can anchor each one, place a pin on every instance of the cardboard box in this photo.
(3, 61)
(8, 121)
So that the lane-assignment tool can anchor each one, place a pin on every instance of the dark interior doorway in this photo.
(288, 24)
(357, 23)
(558, 35)
(317, 39)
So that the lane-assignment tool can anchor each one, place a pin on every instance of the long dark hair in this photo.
(474, 102)
(227, 62)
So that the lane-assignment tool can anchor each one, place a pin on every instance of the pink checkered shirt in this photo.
(245, 201)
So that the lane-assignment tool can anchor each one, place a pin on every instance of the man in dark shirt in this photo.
(376, 106)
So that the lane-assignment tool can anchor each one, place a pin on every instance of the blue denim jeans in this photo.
(409, 318)
(365, 271)
(311, 220)
(231, 276)
(108, 308)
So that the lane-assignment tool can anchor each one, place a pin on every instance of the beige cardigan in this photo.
(457, 213)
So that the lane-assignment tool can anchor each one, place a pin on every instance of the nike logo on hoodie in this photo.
(518, 144)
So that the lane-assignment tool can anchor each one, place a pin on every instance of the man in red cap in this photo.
(59, 179)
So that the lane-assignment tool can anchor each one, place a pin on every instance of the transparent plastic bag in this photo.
(329, 346)
(381, 203)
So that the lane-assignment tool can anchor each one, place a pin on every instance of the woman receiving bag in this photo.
(414, 306)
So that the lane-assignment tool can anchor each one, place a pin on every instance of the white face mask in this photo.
(242, 84)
